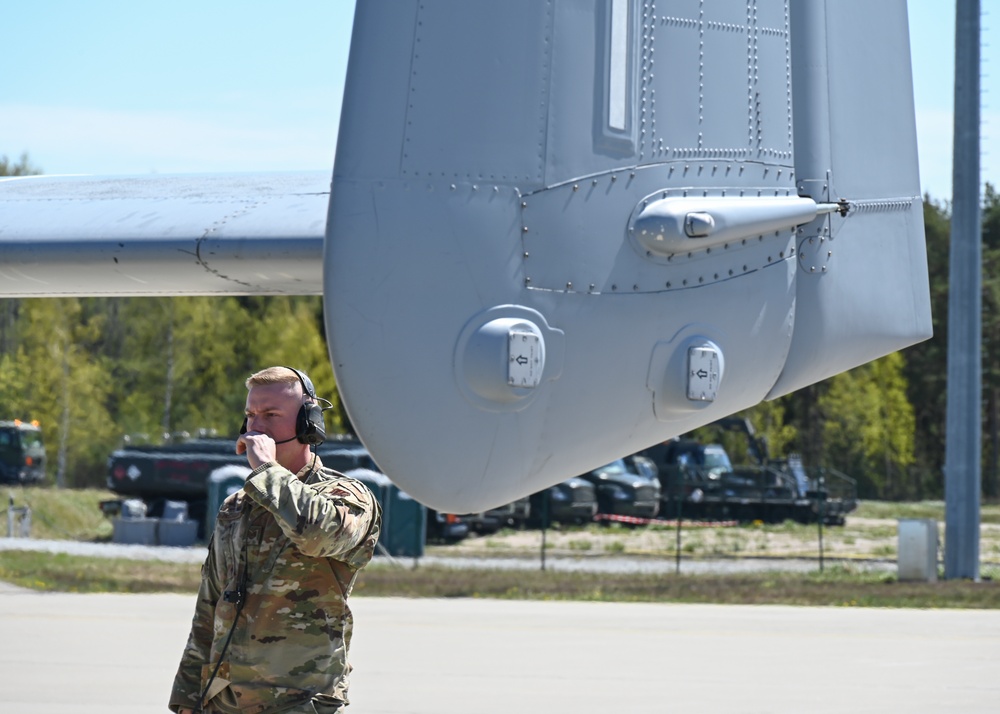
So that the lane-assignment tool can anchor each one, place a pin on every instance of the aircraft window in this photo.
(619, 71)
(618, 66)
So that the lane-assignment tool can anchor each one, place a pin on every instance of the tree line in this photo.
(95, 370)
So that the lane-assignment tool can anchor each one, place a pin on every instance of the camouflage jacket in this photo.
(294, 547)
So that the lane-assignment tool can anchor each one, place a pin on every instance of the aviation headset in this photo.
(309, 425)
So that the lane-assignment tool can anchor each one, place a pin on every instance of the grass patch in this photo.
(989, 512)
(73, 514)
(802, 530)
(837, 587)
(78, 574)
(64, 513)
(882, 532)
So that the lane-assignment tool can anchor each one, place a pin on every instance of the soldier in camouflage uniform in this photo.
(272, 622)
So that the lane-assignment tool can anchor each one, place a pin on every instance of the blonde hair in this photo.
(272, 375)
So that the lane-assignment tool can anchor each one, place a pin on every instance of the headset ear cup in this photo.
(310, 427)
(318, 425)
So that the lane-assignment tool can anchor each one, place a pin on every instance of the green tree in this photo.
(801, 411)
(182, 361)
(292, 335)
(9, 307)
(21, 167)
(53, 377)
(211, 338)
(137, 345)
(991, 342)
(179, 364)
(926, 366)
(868, 427)
(768, 419)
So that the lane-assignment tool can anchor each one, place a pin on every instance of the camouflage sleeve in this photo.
(187, 683)
(323, 520)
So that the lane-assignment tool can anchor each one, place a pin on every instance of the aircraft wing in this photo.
(163, 235)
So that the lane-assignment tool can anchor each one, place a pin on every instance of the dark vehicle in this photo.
(175, 470)
(515, 514)
(182, 470)
(172, 472)
(202, 472)
(710, 460)
(573, 501)
(482, 523)
(344, 456)
(509, 515)
(445, 527)
(700, 481)
(22, 452)
(642, 465)
(622, 492)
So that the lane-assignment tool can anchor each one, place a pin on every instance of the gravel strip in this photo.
(604, 564)
(195, 554)
(653, 566)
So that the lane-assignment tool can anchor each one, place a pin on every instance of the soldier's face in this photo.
(272, 409)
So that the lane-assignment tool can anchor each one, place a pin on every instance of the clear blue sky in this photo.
(112, 87)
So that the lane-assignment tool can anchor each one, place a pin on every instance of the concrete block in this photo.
(177, 533)
(136, 531)
(917, 553)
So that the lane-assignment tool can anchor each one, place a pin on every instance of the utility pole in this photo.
(963, 448)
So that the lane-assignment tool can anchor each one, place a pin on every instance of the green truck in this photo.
(22, 452)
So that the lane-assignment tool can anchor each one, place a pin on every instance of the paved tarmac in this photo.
(117, 654)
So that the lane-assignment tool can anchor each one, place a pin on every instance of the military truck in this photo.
(699, 481)
(182, 470)
(171, 472)
(624, 492)
(22, 452)
(573, 501)
(201, 472)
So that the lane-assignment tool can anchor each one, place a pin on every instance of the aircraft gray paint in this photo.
(558, 232)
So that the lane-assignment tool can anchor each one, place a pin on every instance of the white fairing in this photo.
(496, 321)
